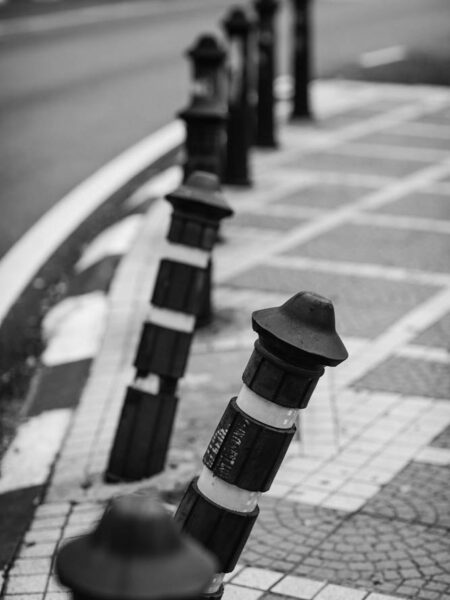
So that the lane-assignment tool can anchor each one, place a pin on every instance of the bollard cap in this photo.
(266, 7)
(207, 48)
(135, 553)
(237, 22)
(303, 324)
(201, 194)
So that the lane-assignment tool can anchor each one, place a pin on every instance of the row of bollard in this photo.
(223, 120)
(137, 551)
(218, 111)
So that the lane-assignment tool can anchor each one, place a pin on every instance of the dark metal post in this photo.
(143, 434)
(238, 28)
(265, 118)
(205, 117)
(296, 341)
(301, 58)
(135, 551)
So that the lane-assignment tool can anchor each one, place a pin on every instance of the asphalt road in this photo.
(74, 97)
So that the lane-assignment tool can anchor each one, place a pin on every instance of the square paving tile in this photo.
(391, 137)
(426, 205)
(298, 587)
(261, 579)
(380, 245)
(443, 439)
(263, 221)
(326, 195)
(364, 306)
(334, 162)
(408, 376)
(437, 335)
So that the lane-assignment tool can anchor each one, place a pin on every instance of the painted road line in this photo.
(36, 247)
(29, 459)
(375, 271)
(415, 351)
(230, 267)
(75, 329)
(114, 241)
(385, 56)
(161, 185)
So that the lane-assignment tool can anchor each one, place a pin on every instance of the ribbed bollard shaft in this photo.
(142, 437)
(265, 114)
(238, 28)
(301, 59)
(296, 341)
(205, 117)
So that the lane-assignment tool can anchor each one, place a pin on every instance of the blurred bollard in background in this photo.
(135, 553)
(265, 119)
(238, 28)
(296, 341)
(206, 115)
(301, 59)
(143, 434)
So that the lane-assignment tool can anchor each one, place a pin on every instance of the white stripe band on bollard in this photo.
(264, 411)
(148, 384)
(171, 319)
(195, 257)
(225, 494)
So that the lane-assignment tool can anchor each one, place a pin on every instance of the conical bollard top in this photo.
(207, 48)
(305, 324)
(135, 553)
(201, 194)
(237, 22)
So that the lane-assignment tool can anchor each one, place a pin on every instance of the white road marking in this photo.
(159, 186)
(34, 249)
(171, 319)
(359, 269)
(400, 334)
(385, 56)
(434, 456)
(74, 329)
(30, 456)
(440, 355)
(114, 241)
(231, 267)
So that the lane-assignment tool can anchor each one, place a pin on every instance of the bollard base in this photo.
(142, 436)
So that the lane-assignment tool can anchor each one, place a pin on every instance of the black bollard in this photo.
(220, 507)
(143, 433)
(206, 115)
(135, 552)
(238, 28)
(265, 117)
(301, 58)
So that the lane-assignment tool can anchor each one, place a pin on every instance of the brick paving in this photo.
(353, 207)
(409, 376)
(419, 493)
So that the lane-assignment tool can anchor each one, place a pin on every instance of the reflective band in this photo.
(264, 411)
(148, 384)
(226, 495)
(171, 319)
(185, 254)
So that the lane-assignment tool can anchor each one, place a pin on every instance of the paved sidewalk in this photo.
(355, 206)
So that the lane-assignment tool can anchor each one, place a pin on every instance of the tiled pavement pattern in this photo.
(359, 509)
